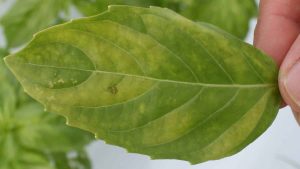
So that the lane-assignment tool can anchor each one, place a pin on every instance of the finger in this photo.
(289, 78)
(278, 27)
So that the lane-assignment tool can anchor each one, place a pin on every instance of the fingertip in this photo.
(277, 28)
(289, 79)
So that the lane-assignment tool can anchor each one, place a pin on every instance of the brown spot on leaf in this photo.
(113, 89)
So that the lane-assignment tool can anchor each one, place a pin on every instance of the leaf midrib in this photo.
(260, 85)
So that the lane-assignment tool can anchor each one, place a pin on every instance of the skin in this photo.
(277, 34)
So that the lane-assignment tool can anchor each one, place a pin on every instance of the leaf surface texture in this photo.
(153, 82)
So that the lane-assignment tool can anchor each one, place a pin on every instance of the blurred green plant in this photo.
(231, 15)
(32, 138)
(27, 17)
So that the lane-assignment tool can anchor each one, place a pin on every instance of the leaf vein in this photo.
(224, 132)
(164, 115)
(200, 123)
(266, 85)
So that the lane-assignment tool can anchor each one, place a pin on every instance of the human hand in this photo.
(277, 34)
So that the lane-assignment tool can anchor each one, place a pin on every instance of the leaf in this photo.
(7, 79)
(3, 52)
(3, 69)
(46, 131)
(28, 134)
(39, 160)
(7, 101)
(27, 17)
(7, 92)
(153, 82)
(231, 15)
(91, 7)
(26, 159)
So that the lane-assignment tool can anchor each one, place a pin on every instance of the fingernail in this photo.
(292, 84)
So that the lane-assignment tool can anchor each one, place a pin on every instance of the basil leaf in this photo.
(39, 160)
(7, 102)
(28, 134)
(91, 7)
(3, 52)
(26, 159)
(8, 99)
(152, 82)
(47, 131)
(27, 17)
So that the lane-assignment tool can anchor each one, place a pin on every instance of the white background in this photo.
(278, 148)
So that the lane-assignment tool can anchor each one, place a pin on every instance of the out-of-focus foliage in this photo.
(32, 138)
(93, 7)
(231, 15)
(27, 17)
(76, 160)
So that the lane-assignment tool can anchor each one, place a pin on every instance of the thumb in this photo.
(289, 78)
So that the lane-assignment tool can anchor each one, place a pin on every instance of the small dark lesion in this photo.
(113, 89)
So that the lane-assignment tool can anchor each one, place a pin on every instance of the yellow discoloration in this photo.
(51, 98)
(61, 81)
(74, 81)
(50, 85)
(142, 107)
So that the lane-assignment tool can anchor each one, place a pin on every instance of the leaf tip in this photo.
(6, 59)
(9, 60)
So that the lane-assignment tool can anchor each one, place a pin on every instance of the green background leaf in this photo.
(153, 82)
(231, 15)
(93, 7)
(27, 17)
